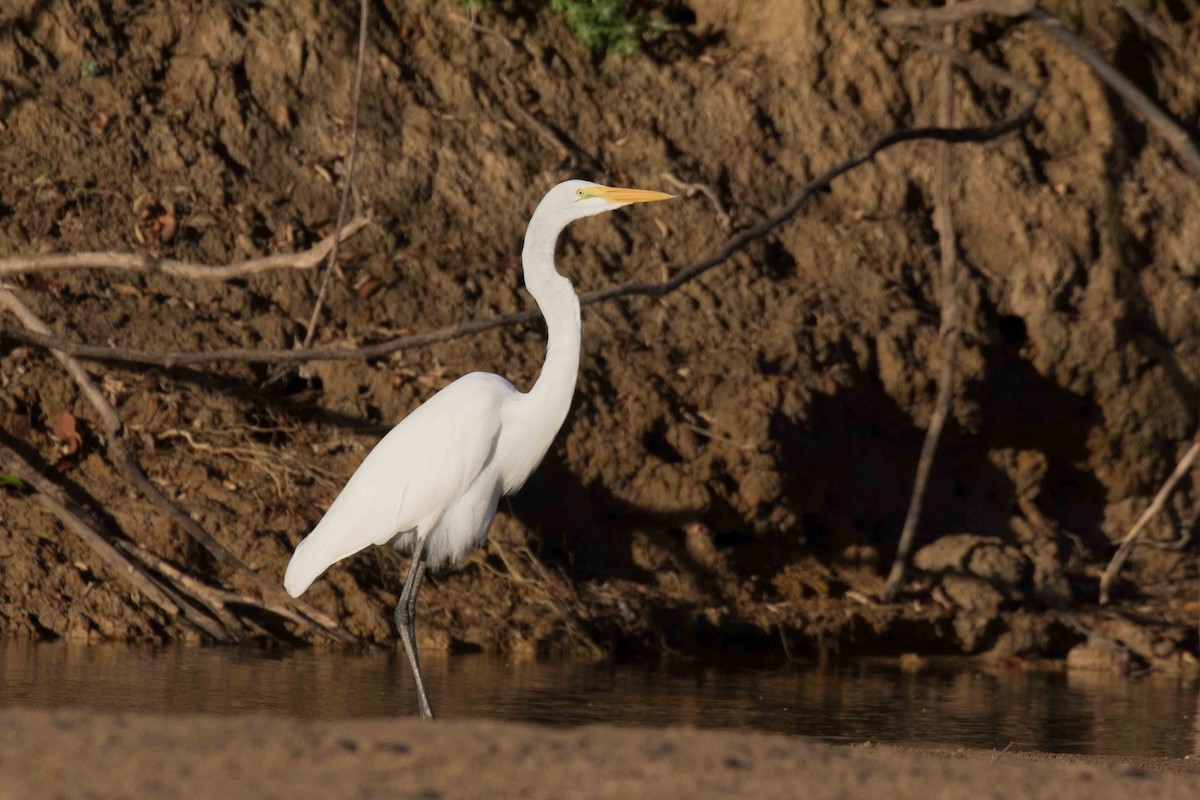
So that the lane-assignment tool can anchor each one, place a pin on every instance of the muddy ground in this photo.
(73, 754)
(738, 462)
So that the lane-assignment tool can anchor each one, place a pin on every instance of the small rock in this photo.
(1000, 564)
(1033, 634)
(975, 631)
(1136, 637)
(1050, 584)
(973, 594)
(985, 557)
(1100, 654)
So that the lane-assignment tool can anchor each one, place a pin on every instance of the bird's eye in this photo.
(579, 193)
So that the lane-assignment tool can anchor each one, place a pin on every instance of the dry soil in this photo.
(76, 755)
(737, 466)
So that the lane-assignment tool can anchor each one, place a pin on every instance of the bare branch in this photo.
(109, 419)
(57, 503)
(114, 432)
(566, 148)
(137, 262)
(951, 320)
(958, 12)
(692, 189)
(215, 599)
(1152, 25)
(1170, 130)
(349, 177)
(472, 22)
(735, 244)
(1156, 505)
(980, 68)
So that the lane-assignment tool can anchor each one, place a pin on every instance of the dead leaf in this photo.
(166, 227)
(367, 287)
(42, 284)
(66, 428)
(146, 440)
(281, 115)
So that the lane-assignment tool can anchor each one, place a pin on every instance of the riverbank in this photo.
(737, 467)
(72, 753)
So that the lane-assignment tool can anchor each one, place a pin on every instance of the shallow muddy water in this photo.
(1055, 712)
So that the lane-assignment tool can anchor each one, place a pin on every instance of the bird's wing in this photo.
(416, 471)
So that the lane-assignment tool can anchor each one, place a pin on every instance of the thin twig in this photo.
(138, 262)
(1160, 499)
(349, 177)
(458, 330)
(691, 189)
(473, 24)
(215, 598)
(951, 320)
(979, 67)
(1166, 127)
(567, 148)
(958, 12)
(57, 503)
(317, 621)
(183, 582)
(1152, 25)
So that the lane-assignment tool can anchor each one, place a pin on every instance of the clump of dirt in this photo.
(737, 465)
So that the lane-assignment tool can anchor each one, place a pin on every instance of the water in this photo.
(1071, 713)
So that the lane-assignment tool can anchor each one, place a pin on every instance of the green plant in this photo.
(12, 482)
(610, 27)
(613, 27)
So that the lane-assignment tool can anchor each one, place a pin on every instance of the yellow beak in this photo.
(615, 195)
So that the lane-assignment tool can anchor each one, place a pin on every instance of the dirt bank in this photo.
(73, 754)
(737, 465)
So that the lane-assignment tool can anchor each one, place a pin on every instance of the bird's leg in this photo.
(406, 615)
(412, 598)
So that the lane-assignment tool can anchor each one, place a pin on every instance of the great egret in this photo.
(431, 485)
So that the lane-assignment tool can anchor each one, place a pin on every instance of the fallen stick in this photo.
(1170, 130)
(1151, 25)
(956, 12)
(692, 189)
(1174, 133)
(980, 68)
(346, 190)
(139, 262)
(211, 596)
(458, 330)
(951, 326)
(1156, 505)
(56, 502)
(315, 622)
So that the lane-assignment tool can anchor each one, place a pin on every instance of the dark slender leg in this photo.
(406, 615)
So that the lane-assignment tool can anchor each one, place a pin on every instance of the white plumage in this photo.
(435, 473)
(432, 484)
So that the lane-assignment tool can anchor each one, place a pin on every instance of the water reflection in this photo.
(1079, 713)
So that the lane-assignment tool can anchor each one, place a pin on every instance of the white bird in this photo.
(431, 485)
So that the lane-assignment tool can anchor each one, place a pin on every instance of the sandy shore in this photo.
(71, 754)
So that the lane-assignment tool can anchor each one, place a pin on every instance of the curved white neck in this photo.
(545, 406)
(556, 298)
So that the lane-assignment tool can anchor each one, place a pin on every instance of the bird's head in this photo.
(572, 200)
